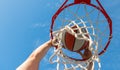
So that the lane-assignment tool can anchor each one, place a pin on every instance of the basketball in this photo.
(71, 43)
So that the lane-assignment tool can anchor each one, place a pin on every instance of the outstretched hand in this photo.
(32, 62)
(86, 54)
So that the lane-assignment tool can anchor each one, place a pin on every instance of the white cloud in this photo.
(37, 43)
(54, 4)
(39, 25)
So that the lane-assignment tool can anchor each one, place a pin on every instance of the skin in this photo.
(32, 62)
(86, 55)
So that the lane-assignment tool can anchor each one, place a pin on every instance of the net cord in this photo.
(61, 58)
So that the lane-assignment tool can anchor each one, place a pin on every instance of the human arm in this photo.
(32, 62)
(86, 55)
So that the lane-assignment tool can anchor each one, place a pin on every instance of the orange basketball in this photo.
(71, 43)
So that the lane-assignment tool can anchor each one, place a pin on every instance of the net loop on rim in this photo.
(60, 57)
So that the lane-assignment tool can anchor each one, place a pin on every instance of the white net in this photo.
(96, 27)
(62, 58)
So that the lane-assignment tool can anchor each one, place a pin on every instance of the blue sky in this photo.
(25, 24)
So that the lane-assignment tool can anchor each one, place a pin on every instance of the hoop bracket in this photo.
(82, 1)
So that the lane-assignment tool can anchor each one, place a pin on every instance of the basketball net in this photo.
(60, 57)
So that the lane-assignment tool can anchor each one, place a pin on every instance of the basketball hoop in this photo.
(81, 63)
(95, 29)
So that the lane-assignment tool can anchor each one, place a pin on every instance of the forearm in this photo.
(33, 60)
(91, 66)
(40, 52)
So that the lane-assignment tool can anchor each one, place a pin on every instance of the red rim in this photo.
(87, 2)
